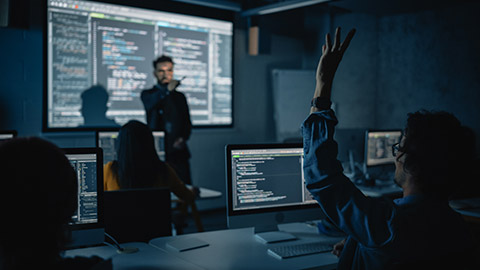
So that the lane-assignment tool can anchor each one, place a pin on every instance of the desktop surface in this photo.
(381, 188)
(147, 257)
(203, 194)
(468, 207)
(7, 134)
(240, 249)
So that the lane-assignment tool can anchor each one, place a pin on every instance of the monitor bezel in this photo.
(100, 218)
(228, 164)
(170, 7)
(365, 158)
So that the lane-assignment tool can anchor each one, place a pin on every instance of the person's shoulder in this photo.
(177, 93)
(110, 169)
(112, 123)
(109, 164)
(179, 96)
(148, 91)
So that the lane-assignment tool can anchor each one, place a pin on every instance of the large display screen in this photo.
(99, 60)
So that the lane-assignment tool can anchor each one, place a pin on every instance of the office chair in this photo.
(180, 213)
(138, 214)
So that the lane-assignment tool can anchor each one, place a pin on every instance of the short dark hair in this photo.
(162, 58)
(439, 151)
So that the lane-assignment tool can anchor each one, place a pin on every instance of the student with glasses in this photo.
(419, 230)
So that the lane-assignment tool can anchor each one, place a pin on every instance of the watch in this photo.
(321, 103)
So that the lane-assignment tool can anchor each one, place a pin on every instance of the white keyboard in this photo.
(288, 251)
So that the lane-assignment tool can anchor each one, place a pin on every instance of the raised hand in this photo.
(328, 64)
(172, 85)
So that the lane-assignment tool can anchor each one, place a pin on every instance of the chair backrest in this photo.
(138, 214)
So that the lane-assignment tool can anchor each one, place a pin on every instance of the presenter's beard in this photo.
(163, 82)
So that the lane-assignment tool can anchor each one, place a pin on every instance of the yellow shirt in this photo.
(110, 183)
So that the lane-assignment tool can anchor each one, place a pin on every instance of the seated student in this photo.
(417, 230)
(38, 197)
(138, 166)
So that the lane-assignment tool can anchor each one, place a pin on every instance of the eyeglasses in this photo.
(395, 149)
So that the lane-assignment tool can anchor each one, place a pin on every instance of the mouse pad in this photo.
(186, 244)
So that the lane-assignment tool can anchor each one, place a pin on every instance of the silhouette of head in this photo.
(38, 197)
(439, 151)
(94, 107)
(137, 160)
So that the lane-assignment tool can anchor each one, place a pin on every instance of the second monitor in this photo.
(87, 223)
(107, 140)
(378, 146)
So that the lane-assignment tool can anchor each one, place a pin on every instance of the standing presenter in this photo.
(167, 110)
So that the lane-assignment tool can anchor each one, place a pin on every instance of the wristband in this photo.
(321, 103)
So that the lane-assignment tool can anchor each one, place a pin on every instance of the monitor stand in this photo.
(270, 234)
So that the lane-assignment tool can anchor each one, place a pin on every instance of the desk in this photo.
(205, 194)
(468, 207)
(147, 257)
(381, 189)
(239, 249)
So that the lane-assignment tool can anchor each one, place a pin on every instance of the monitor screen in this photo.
(109, 49)
(7, 134)
(266, 187)
(87, 222)
(378, 146)
(107, 140)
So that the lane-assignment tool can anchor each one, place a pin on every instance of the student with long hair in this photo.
(138, 166)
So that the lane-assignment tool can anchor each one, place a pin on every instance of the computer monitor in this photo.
(266, 187)
(87, 225)
(7, 134)
(378, 146)
(107, 140)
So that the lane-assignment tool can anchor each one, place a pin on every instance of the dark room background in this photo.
(403, 58)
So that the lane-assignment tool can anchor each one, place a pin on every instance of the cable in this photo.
(117, 245)
(110, 245)
(119, 248)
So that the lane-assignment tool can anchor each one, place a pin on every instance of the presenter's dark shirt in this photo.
(168, 111)
(382, 233)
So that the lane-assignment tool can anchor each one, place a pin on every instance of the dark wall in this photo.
(430, 60)
(403, 62)
(21, 80)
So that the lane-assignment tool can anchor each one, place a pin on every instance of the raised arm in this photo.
(344, 204)
(328, 64)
